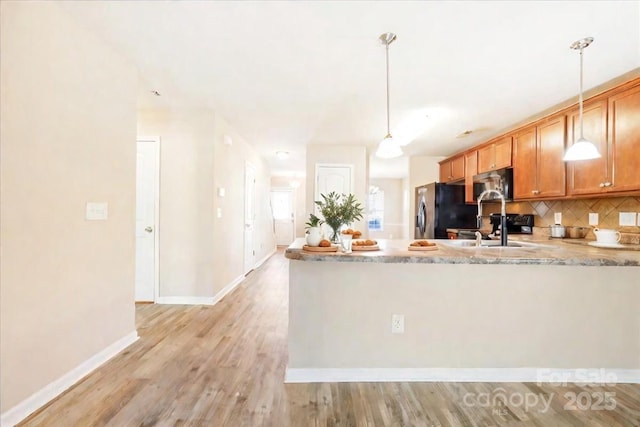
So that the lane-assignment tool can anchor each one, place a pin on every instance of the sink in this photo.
(489, 244)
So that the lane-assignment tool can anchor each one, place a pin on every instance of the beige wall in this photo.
(422, 170)
(340, 154)
(463, 316)
(301, 214)
(393, 210)
(200, 254)
(68, 111)
(229, 172)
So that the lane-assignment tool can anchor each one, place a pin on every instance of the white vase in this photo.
(314, 235)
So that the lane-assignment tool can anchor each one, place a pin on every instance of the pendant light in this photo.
(388, 149)
(581, 149)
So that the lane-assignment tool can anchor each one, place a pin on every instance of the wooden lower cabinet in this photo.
(538, 168)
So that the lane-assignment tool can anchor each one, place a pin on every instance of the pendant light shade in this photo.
(388, 149)
(581, 149)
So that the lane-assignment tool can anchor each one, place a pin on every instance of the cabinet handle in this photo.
(535, 192)
(602, 185)
(608, 184)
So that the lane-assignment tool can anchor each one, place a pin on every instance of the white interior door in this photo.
(147, 180)
(338, 178)
(249, 217)
(283, 216)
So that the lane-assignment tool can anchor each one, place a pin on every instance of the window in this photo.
(376, 208)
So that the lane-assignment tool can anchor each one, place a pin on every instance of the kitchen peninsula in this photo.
(470, 314)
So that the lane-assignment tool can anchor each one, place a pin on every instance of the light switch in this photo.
(219, 212)
(97, 211)
(627, 219)
(557, 217)
(593, 218)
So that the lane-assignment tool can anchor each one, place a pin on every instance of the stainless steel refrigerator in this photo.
(440, 206)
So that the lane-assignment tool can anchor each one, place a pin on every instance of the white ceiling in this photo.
(291, 73)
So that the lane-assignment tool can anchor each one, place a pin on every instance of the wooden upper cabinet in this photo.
(589, 176)
(452, 169)
(524, 164)
(538, 169)
(624, 140)
(470, 169)
(496, 155)
(551, 168)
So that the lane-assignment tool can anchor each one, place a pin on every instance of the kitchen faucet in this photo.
(503, 215)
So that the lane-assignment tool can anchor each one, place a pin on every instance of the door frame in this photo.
(156, 217)
(293, 208)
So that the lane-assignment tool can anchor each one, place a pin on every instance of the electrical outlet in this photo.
(627, 219)
(397, 323)
(593, 218)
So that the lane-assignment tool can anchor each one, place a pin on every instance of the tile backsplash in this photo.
(576, 212)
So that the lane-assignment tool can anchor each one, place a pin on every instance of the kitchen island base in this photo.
(463, 322)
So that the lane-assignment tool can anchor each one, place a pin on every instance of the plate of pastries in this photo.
(364, 245)
(324, 246)
(354, 233)
(422, 245)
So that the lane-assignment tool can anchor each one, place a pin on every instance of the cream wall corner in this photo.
(68, 112)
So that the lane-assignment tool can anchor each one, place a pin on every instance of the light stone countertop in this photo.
(555, 252)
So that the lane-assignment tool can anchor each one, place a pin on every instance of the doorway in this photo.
(147, 208)
(282, 203)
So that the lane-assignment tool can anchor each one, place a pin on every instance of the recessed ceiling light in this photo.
(155, 92)
(465, 133)
(282, 154)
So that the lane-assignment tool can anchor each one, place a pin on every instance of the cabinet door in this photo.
(502, 153)
(524, 164)
(624, 139)
(470, 169)
(486, 156)
(445, 171)
(586, 176)
(457, 168)
(551, 176)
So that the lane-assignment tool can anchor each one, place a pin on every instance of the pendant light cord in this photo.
(387, 56)
(581, 101)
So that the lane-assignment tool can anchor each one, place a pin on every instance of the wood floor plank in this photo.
(224, 366)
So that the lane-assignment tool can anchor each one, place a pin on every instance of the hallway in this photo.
(224, 365)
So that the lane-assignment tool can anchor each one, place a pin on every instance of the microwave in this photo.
(501, 180)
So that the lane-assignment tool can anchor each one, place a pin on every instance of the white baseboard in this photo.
(40, 398)
(185, 300)
(224, 291)
(488, 375)
(202, 300)
(262, 261)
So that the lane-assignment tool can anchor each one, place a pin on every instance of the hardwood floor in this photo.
(224, 366)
